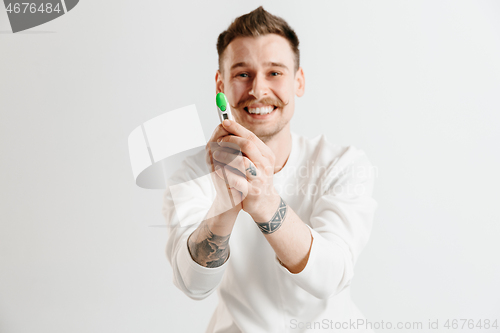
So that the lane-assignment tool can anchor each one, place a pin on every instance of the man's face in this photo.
(258, 76)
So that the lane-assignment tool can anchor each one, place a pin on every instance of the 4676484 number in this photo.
(471, 324)
(26, 7)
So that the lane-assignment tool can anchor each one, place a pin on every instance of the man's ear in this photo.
(300, 82)
(219, 84)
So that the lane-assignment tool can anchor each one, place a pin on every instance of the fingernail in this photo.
(219, 140)
(227, 122)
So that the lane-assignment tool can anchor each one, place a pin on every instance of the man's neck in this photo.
(281, 145)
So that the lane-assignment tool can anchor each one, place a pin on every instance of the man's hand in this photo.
(227, 198)
(209, 243)
(250, 174)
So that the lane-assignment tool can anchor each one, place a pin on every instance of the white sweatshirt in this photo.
(330, 188)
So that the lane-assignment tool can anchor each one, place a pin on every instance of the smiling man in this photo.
(280, 227)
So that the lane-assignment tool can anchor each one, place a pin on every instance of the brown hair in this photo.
(256, 23)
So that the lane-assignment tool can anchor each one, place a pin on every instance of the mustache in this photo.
(268, 100)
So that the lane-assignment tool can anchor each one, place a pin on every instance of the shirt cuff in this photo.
(324, 271)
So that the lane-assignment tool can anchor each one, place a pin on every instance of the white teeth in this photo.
(264, 110)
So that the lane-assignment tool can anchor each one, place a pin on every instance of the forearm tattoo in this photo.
(212, 251)
(252, 170)
(276, 221)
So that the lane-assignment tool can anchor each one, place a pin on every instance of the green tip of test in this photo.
(221, 101)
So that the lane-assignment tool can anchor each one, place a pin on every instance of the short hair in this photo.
(257, 23)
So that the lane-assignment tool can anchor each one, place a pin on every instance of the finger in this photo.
(238, 130)
(209, 151)
(251, 170)
(242, 165)
(226, 198)
(234, 181)
(211, 147)
(248, 148)
(230, 148)
(218, 132)
(231, 158)
(234, 184)
(214, 147)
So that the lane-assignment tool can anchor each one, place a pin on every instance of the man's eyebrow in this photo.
(270, 64)
(276, 64)
(238, 64)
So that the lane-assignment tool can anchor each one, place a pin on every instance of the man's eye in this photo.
(243, 75)
(275, 73)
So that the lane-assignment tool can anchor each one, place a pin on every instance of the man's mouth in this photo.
(260, 110)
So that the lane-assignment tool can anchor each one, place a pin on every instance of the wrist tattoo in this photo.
(212, 251)
(252, 170)
(276, 221)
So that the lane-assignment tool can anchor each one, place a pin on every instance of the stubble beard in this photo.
(267, 135)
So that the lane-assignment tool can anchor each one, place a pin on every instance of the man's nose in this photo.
(260, 88)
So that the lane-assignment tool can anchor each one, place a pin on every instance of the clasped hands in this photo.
(249, 174)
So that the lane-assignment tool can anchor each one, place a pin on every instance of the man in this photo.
(281, 254)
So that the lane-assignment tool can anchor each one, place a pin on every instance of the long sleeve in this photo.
(186, 203)
(340, 223)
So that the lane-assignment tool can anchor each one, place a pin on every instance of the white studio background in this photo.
(414, 84)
